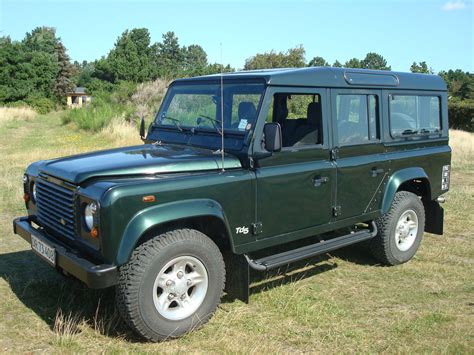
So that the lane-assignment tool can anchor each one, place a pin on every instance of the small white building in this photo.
(77, 98)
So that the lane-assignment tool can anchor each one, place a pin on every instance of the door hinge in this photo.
(334, 153)
(257, 228)
(336, 211)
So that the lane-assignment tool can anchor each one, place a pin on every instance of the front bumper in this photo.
(94, 276)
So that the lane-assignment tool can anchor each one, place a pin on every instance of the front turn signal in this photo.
(149, 198)
(95, 232)
(26, 196)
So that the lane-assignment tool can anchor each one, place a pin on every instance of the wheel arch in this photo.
(413, 180)
(204, 215)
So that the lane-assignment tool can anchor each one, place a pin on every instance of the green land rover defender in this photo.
(247, 170)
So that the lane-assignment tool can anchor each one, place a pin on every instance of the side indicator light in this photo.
(95, 232)
(149, 198)
(26, 196)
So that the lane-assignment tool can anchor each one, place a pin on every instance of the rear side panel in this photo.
(429, 152)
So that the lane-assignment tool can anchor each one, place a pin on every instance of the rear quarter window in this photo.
(414, 115)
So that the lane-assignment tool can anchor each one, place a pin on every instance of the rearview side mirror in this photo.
(142, 129)
(272, 132)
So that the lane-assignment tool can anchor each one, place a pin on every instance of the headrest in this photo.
(314, 113)
(247, 111)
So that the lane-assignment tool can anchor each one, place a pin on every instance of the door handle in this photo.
(318, 181)
(376, 172)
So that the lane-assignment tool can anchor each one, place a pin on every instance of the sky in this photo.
(439, 32)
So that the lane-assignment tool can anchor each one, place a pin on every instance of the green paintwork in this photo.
(137, 160)
(158, 214)
(396, 180)
(231, 191)
(274, 189)
(327, 77)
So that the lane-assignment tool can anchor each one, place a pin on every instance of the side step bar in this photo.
(277, 260)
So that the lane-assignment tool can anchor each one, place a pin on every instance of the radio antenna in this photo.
(222, 110)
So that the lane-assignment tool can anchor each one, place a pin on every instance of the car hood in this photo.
(137, 160)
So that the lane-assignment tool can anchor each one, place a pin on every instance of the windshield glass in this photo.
(195, 110)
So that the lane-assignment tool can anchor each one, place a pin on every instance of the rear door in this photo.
(359, 152)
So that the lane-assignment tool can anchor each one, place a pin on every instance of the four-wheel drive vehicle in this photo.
(233, 166)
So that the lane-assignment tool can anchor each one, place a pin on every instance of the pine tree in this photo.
(66, 72)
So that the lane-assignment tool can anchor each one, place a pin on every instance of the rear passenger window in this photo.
(357, 119)
(412, 115)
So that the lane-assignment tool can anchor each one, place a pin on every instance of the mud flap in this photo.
(237, 277)
(434, 218)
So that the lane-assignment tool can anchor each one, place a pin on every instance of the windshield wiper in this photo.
(213, 121)
(409, 131)
(174, 120)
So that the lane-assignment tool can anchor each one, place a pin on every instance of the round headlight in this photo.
(33, 191)
(89, 211)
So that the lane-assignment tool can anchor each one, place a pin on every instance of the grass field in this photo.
(340, 302)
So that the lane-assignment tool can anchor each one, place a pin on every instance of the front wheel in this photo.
(172, 284)
(399, 230)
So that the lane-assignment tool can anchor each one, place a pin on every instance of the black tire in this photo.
(136, 286)
(384, 244)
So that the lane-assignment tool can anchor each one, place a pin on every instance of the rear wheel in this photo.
(400, 230)
(172, 284)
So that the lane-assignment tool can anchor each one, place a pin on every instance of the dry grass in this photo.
(338, 303)
(462, 144)
(122, 132)
(148, 96)
(8, 114)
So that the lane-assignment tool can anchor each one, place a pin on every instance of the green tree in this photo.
(420, 67)
(466, 90)
(64, 79)
(45, 61)
(318, 62)
(14, 75)
(216, 68)
(195, 60)
(41, 39)
(25, 74)
(353, 63)
(460, 84)
(169, 56)
(129, 59)
(374, 61)
(84, 72)
(337, 64)
(292, 58)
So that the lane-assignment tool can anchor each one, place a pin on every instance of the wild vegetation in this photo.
(339, 302)
(37, 72)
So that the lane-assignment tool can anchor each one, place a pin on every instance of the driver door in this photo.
(295, 186)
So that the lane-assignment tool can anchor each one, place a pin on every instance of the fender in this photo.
(167, 212)
(396, 180)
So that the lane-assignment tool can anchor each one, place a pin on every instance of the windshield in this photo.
(194, 110)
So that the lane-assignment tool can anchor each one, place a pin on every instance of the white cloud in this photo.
(454, 5)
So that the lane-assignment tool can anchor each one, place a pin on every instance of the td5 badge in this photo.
(242, 230)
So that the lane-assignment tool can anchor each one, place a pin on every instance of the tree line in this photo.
(37, 70)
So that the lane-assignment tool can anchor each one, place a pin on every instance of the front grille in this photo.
(55, 208)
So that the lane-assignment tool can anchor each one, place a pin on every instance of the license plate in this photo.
(43, 250)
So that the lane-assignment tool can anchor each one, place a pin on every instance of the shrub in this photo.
(42, 105)
(147, 98)
(97, 87)
(461, 115)
(126, 102)
(94, 116)
(19, 103)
